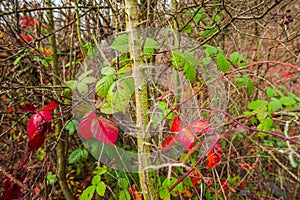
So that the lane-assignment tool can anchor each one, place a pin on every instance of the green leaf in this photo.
(218, 17)
(88, 80)
(210, 50)
(75, 156)
(258, 104)
(96, 179)
(206, 60)
(124, 70)
(250, 86)
(101, 188)
(72, 126)
(199, 16)
(274, 105)
(72, 84)
(104, 84)
(188, 30)
(234, 57)
(124, 195)
(123, 183)
(261, 114)
(169, 182)
(85, 154)
(222, 62)
(108, 71)
(45, 63)
(82, 88)
(51, 178)
(17, 60)
(120, 92)
(150, 44)
(84, 75)
(106, 108)
(88, 193)
(268, 123)
(190, 58)
(208, 195)
(270, 92)
(162, 105)
(164, 193)
(178, 59)
(287, 101)
(100, 170)
(210, 31)
(238, 59)
(121, 43)
(189, 72)
(294, 97)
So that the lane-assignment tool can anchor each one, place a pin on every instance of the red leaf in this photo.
(46, 52)
(26, 21)
(198, 126)
(286, 73)
(105, 131)
(26, 37)
(85, 125)
(214, 156)
(39, 125)
(34, 125)
(243, 185)
(45, 115)
(195, 177)
(176, 126)
(224, 184)
(12, 190)
(30, 108)
(50, 107)
(171, 141)
(186, 137)
(37, 141)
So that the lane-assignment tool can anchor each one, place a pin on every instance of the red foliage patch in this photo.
(214, 156)
(39, 126)
(11, 189)
(103, 129)
(25, 38)
(185, 134)
(26, 22)
(176, 126)
(286, 73)
(195, 176)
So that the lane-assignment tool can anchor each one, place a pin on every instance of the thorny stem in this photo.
(141, 97)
